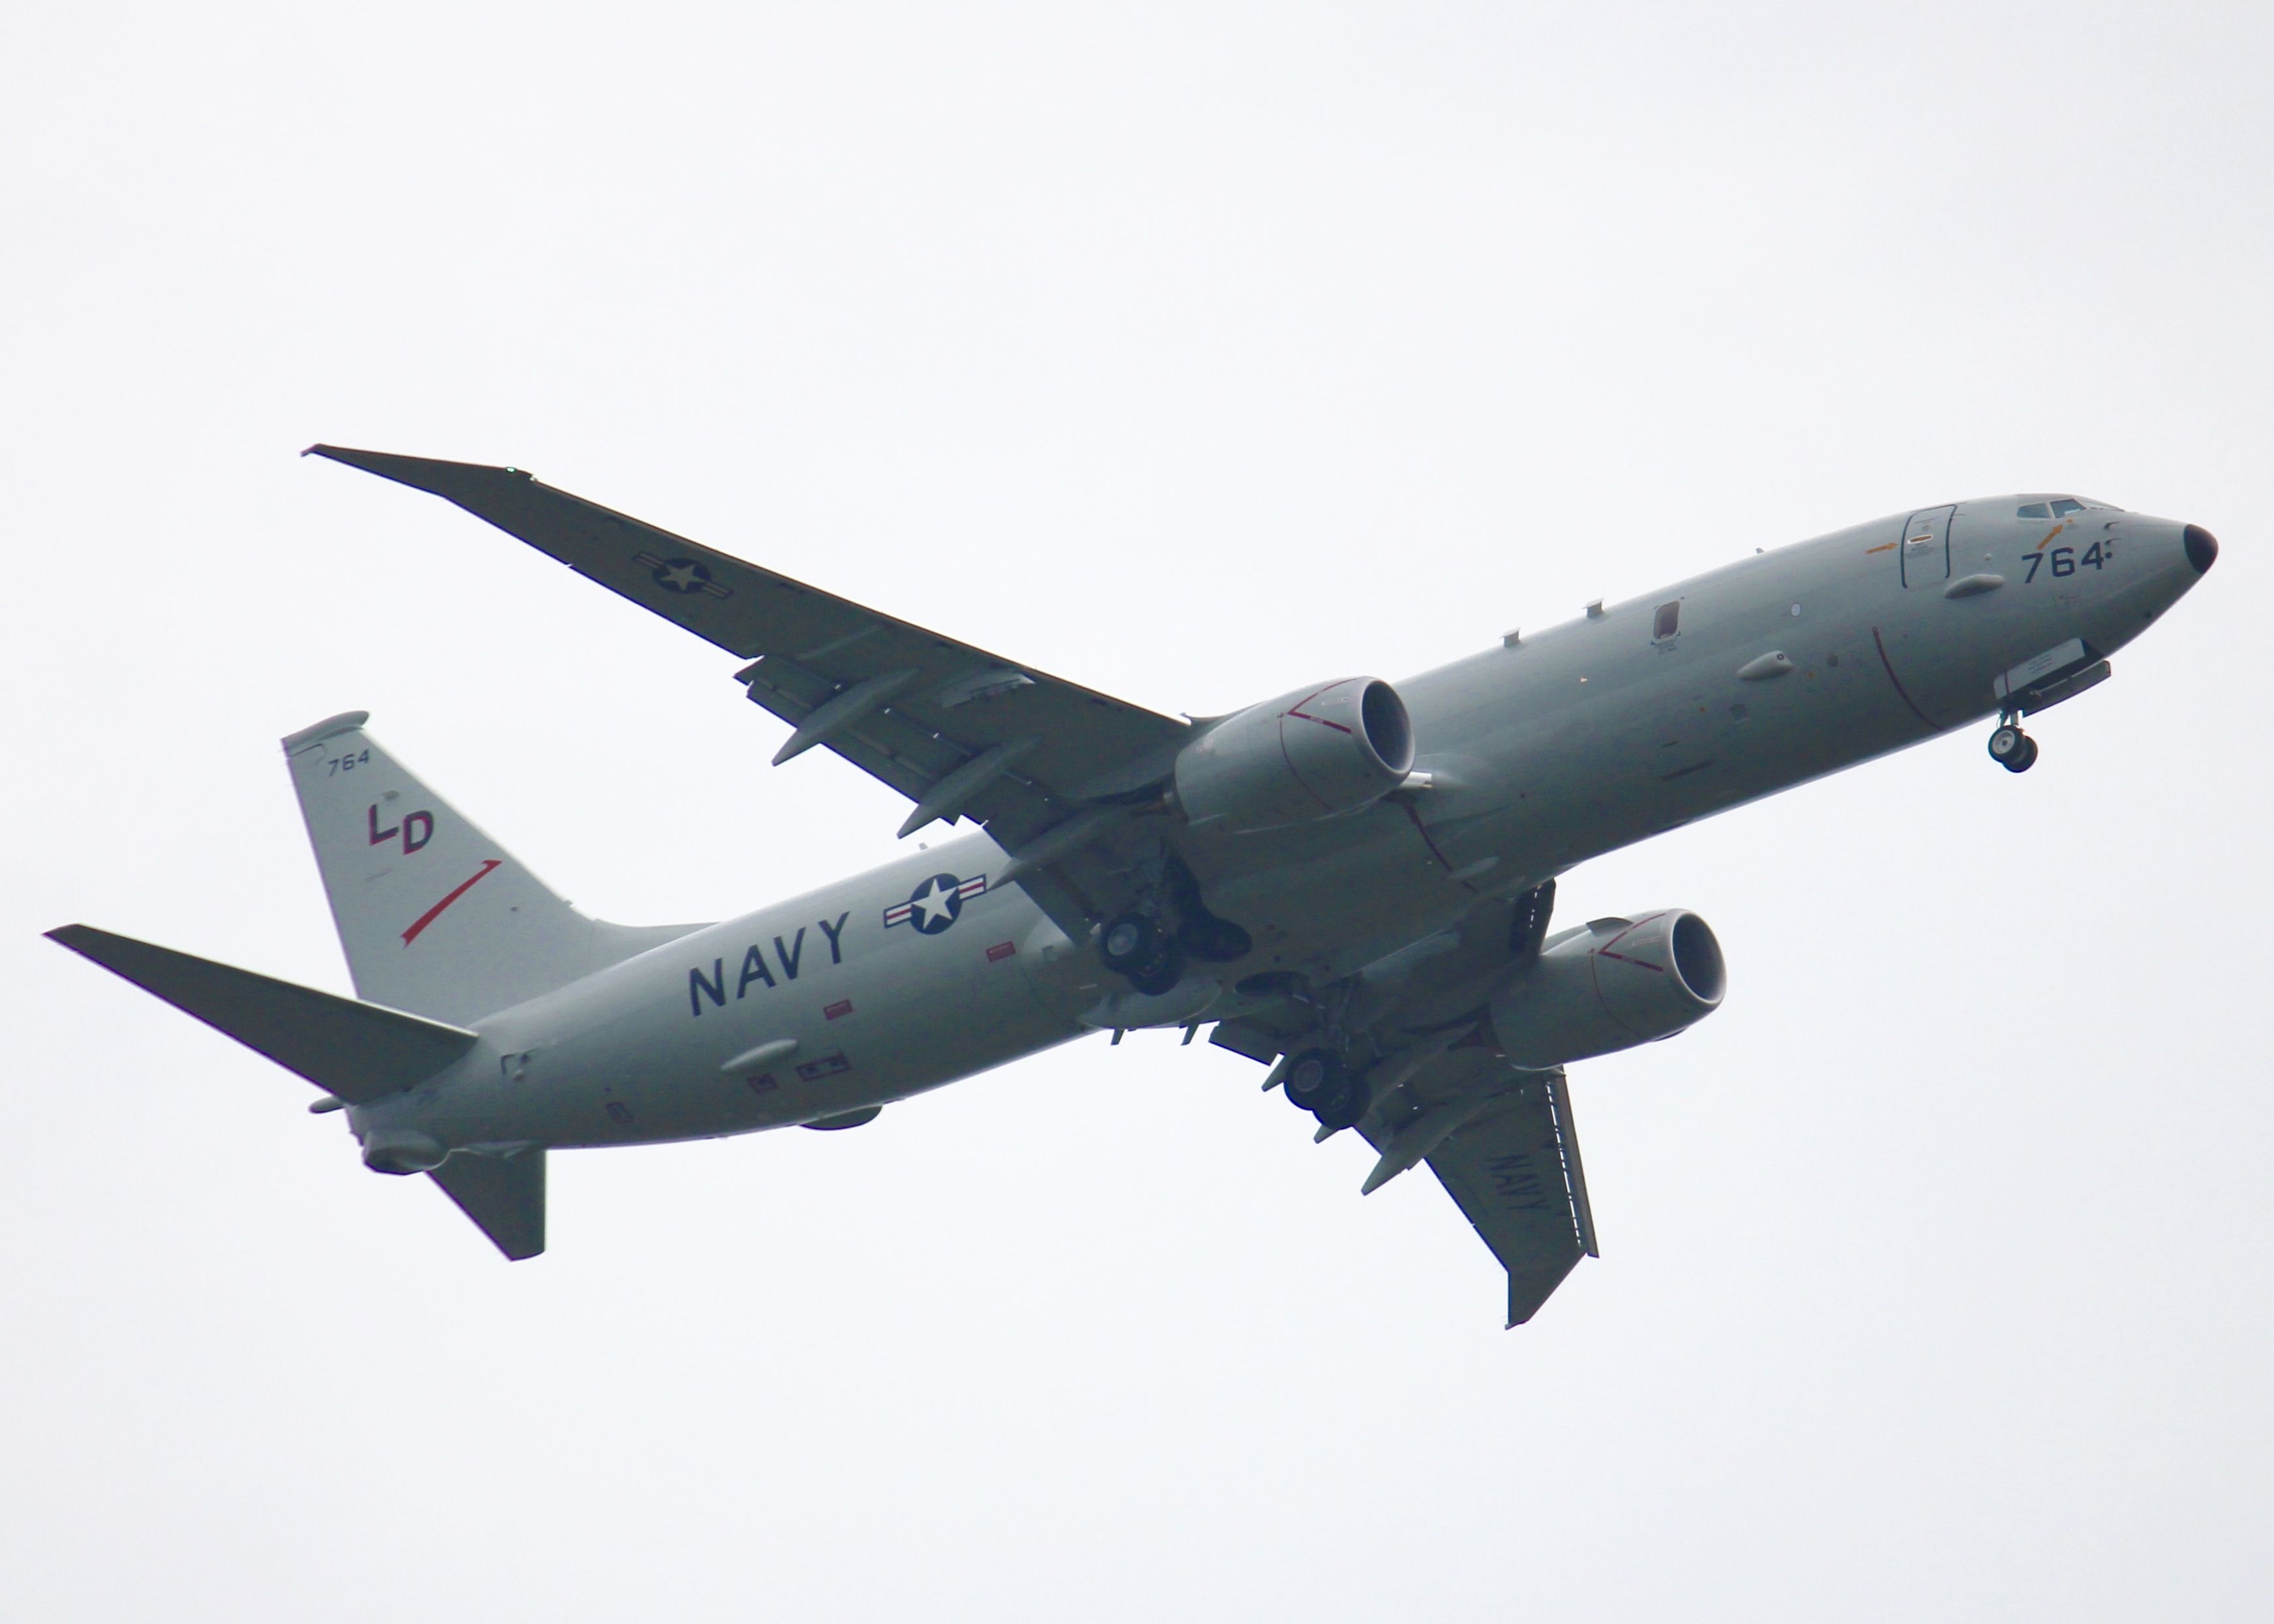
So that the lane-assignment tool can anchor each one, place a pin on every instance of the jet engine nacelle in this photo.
(1610, 985)
(1305, 756)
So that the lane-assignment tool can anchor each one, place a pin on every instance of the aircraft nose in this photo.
(2202, 546)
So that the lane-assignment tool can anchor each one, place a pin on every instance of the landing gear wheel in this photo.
(1346, 1107)
(1129, 942)
(1314, 1075)
(1319, 1083)
(1162, 972)
(2012, 748)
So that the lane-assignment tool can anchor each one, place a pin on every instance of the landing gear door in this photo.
(1925, 552)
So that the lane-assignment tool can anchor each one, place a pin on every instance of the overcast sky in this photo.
(1190, 352)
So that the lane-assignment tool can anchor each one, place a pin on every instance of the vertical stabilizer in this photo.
(435, 917)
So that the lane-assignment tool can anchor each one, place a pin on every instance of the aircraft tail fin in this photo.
(503, 1195)
(357, 1052)
(434, 914)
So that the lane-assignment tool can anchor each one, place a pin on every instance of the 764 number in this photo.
(2065, 562)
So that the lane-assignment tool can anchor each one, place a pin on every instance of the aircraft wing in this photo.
(1500, 1139)
(959, 731)
(1513, 1167)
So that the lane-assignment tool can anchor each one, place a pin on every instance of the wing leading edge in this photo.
(960, 732)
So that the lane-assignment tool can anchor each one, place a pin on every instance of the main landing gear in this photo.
(1152, 944)
(1317, 1082)
(1133, 945)
(2012, 748)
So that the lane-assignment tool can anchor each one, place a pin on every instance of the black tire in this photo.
(1129, 943)
(2029, 756)
(1348, 1104)
(2008, 743)
(1313, 1075)
(1165, 970)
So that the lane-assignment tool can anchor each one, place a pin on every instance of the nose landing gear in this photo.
(2012, 748)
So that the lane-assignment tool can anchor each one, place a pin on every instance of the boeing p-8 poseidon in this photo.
(1351, 884)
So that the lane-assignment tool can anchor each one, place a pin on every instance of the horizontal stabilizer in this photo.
(503, 1195)
(357, 1052)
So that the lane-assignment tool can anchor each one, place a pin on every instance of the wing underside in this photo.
(1513, 1168)
(962, 732)
(1438, 1092)
(1062, 777)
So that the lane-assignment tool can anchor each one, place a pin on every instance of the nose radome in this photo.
(2202, 547)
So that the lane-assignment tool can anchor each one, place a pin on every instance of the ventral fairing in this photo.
(1351, 884)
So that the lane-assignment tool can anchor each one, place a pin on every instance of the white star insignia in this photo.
(926, 901)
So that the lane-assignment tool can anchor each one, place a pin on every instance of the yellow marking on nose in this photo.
(1885, 546)
(2049, 534)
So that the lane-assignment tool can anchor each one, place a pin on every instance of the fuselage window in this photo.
(1668, 620)
(2033, 510)
(2066, 506)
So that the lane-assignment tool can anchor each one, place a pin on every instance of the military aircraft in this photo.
(1350, 885)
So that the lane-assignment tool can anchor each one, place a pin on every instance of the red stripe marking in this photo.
(1888, 666)
(1595, 970)
(429, 916)
(1297, 708)
(1422, 829)
(1640, 964)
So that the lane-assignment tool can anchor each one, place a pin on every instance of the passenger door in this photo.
(1925, 552)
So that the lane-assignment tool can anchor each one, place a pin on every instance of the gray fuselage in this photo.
(1551, 750)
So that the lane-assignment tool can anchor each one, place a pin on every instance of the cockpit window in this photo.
(2065, 506)
(2033, 510)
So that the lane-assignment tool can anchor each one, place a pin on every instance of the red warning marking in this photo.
(431, 914)
(1640, 964)
(1296, 710)
(843, 1006)
(1001, 951)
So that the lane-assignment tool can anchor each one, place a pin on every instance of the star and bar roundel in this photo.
(680, 575)
(937, 903)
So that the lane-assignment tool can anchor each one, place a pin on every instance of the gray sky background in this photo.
(1190, 352)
